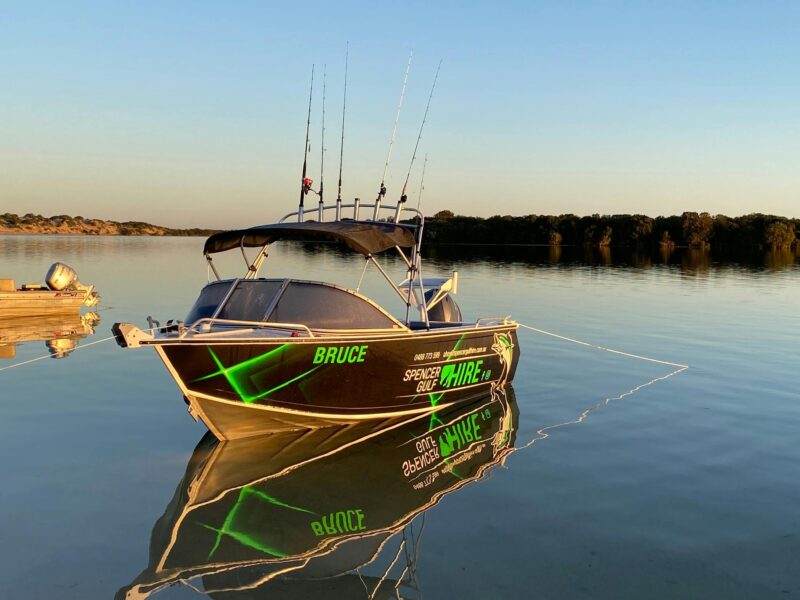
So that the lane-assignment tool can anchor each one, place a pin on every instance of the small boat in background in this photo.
(62, 293)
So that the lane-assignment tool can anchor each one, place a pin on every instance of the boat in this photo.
(61, 293)
(308, 514)
(256, 355)
(60, 332)
(259, 355)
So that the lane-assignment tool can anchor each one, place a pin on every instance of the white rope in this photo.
(388, 569)
(596, 347)
(543, 433)
(33, 360)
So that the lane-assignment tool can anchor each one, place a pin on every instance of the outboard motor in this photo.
(445, 310)
(63, 277)
(441, 306)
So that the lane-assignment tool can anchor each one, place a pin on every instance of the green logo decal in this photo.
(504, 346)
(340, 355)
(465, 373)
(235, 522)
(249, 378)
(343, 521)
(458, 435)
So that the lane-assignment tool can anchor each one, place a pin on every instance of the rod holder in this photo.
(356, 208)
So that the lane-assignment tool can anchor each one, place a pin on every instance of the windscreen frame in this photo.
(269, 307)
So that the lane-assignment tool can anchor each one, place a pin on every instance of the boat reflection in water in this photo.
(60, 333)
(334, 512)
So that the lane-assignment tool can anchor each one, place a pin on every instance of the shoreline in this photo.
(696, 230)
(104, 234)
(35, 224)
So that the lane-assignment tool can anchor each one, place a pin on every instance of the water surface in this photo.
(687, 488)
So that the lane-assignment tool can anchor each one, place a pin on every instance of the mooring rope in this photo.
(596, 347)
(38, 358)
(543, 433)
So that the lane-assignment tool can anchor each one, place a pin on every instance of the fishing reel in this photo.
(307, 182)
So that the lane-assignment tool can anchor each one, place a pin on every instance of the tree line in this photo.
(691, 229)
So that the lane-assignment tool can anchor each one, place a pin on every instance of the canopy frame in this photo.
(368, 238)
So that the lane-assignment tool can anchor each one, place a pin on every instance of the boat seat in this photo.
(7, 285)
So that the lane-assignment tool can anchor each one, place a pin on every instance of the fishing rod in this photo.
(414, 263)
(322, 145)
(341, 148)
(403, 196)
(382, 190)
(305, 183)
(422, 181)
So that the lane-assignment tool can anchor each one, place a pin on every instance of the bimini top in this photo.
(365, 237)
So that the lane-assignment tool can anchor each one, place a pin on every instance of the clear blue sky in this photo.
(193, 113)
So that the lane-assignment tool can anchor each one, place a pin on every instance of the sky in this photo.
(193, 114)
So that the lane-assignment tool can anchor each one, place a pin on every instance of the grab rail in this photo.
(255, 324)
(357, 206)
(506, 320)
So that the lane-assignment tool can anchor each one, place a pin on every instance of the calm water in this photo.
(687, 488)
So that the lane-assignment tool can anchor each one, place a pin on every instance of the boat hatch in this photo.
(314, 304)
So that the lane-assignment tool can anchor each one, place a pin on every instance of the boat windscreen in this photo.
(209, 300)
(250, 300)
(325, 307)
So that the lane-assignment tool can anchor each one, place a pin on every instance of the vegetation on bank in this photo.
(694, 230)
(65, 224)
(691, 229)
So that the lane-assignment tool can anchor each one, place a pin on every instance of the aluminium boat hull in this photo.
(241, 388)
(41, 302)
